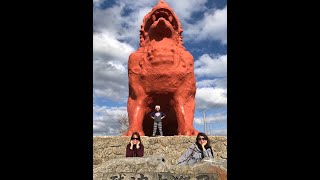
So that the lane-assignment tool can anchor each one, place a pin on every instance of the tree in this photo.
(123, 122)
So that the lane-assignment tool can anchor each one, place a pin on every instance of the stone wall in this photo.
(172, 147)
(153, 168)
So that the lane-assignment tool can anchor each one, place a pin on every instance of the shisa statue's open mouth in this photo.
(160, 24)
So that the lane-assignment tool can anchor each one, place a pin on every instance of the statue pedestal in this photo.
(110, 162)
(153, 167)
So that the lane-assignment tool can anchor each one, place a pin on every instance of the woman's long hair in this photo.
(205, 146)
(138, 135)
(206, 138)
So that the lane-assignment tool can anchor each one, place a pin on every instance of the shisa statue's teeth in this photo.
(170, 18)
(153, 17)
(165, 12)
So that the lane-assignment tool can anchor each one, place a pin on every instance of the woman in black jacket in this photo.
(135, 147)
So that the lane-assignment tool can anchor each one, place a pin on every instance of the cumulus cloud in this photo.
(211, 92)
(105, 120)
(207, 98)
(110, 58)
(114, 39)
(216, 124)
(211, 66)
(184, 10)
(122, 20)
(212, 27)
(217, 83)
(212, 118)
(131, 26)
(110, 80)
(108, 48)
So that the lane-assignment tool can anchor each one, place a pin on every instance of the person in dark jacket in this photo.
(135, 147)
(197, 151)
(157, 116)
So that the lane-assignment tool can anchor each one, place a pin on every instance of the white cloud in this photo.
(212, 27)
(108, 48)
(207, 66)
(110, 58)
(184, 10)
(122, 20)
(105, 120)
(216, 124)
(212, 118)
(133, 5)
(97, 3)
(131, 26)
(218, 83)
(110, 80)
(207, 98)
(108, 19)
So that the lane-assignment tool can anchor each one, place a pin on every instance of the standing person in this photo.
(197, 151)
(135, 147)
(157, 116)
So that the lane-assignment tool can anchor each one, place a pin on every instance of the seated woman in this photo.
(197, 151)
(135, 147)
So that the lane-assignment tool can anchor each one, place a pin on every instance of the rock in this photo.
(153, 167)
(109, 147)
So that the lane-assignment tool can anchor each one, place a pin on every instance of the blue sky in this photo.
(116, 25)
